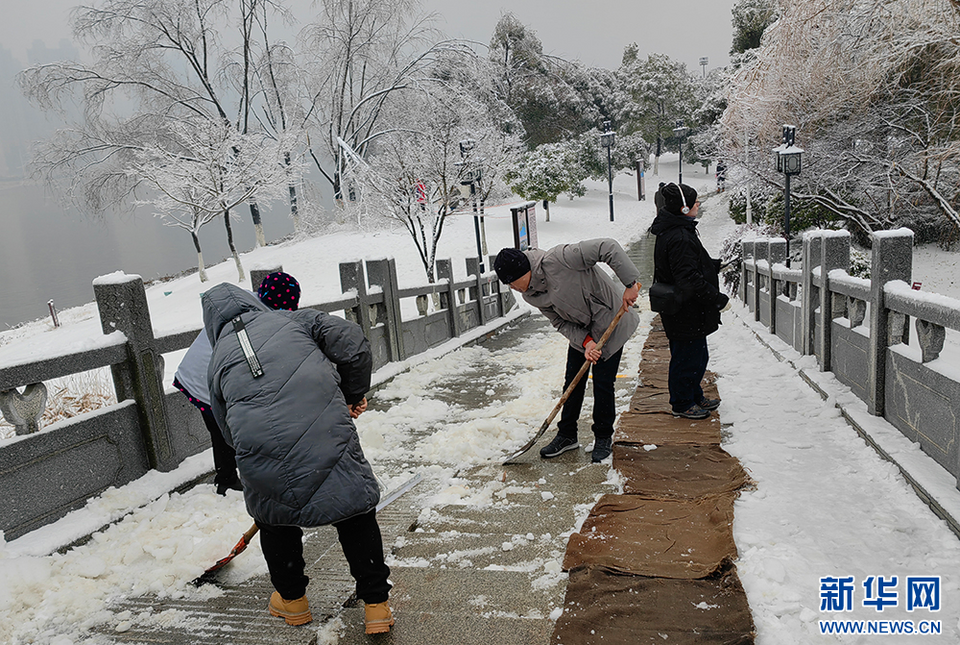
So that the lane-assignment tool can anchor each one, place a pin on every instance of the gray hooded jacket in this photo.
(577, 297)
(298, 453)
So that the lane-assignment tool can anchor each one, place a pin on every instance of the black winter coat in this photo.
(298, 453)
(680, 259)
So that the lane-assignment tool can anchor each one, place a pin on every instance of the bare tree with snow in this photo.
(416, 169)
(872, 88)
(153, 61)
(206, 171)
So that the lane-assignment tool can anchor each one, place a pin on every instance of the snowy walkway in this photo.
(486, 543)
(825, 505)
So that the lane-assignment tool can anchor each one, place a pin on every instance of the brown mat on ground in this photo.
(656, 379)
(666, 538)
(650, 400)
(665, 428)
(604, 607)
(678, 470)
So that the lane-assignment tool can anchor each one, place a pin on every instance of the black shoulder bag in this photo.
(664, 298)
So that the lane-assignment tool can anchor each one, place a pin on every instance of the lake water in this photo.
(48, 252)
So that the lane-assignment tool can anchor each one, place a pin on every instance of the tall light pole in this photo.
(607, 140)
(470, 179)
(680, 131)
(788, 160)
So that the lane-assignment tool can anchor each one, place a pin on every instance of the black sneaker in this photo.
(693, 412)
(602, 447)
(558, 446)
(709, 404)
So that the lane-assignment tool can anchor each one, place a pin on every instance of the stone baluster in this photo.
(931, 337)
(23, 411)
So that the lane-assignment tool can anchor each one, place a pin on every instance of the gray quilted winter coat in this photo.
(579, 298)
(298, 454)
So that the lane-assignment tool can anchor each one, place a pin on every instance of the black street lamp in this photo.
(470, 178)
(607, 140)
(680, 131)
(788, 157)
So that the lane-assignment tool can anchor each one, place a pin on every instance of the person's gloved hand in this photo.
(723, 301)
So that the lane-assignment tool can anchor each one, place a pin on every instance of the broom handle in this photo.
(583, 370)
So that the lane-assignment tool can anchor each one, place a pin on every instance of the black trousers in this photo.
(224, 457)
(604, 394)
(362, 545)
(688, 362)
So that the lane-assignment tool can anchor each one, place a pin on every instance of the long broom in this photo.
(210, 575)
(566, 394)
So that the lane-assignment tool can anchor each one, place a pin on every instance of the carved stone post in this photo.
(891, 259)
(836, 255)
(122, 303)
(812, 256)
(777, 254)
(474, 270)
(760, 248)
(445, 272)
(383, 273)
(746, 251)
(352, 278)
(257, 274)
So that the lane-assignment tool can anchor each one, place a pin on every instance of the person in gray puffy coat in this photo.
(580, 300)
(285, 387)
(278, 290)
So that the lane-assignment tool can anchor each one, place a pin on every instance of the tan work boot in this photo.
(379, 618)
(295, 612)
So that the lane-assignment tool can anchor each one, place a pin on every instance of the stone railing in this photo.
(860, 329)
(46, 473)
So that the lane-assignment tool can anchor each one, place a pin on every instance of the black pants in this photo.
(224, 457)
(688, 362)
(604, 391)
(362, 545)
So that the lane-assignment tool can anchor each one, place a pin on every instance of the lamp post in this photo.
(788, 158)
(607, 140)
(469, 179)
(679, 132)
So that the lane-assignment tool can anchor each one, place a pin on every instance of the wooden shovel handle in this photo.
(583, 369)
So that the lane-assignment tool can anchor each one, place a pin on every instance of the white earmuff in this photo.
(683, 198)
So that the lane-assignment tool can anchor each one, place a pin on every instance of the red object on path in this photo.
(241, 546)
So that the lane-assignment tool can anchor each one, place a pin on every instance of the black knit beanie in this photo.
(511, 265)
(674, 202)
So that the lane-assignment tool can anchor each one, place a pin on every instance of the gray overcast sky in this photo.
(595, 32)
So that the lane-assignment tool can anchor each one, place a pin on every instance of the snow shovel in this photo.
(210, 575)
(566, 395)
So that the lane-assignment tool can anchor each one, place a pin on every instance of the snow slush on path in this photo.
(482, 538)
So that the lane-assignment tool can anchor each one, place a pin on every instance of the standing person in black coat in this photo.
(681, 260)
